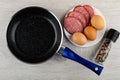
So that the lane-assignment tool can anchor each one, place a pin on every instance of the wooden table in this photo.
(58, 68)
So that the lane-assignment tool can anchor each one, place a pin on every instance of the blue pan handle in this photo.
(67, 53)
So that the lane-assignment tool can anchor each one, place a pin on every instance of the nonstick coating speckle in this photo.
(35, 35)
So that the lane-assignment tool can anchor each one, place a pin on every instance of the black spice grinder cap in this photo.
(112, 35)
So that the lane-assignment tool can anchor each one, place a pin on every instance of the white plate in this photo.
(100, 33)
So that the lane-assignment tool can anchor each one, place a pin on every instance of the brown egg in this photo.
(90, 33)
(98, 22)
(79, 38)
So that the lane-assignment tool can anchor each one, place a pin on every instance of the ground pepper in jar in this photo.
(102, 53)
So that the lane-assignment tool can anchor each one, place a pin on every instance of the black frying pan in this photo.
(35, 34)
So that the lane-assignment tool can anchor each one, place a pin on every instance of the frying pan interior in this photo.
(34, 34)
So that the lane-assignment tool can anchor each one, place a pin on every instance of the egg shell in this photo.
(79, 38)
(98, 22)
(90, 33)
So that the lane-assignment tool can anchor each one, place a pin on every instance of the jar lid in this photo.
(112, 35)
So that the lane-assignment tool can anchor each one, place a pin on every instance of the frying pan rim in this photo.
(61, 29)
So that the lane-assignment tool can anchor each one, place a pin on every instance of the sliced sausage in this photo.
(72, 25)
(89, 9)
(78, 16)
(83, 11)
